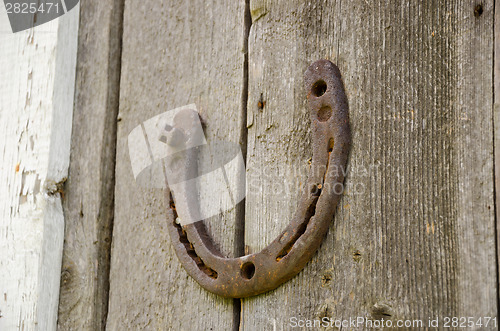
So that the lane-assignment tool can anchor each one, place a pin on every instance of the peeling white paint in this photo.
(37, 76)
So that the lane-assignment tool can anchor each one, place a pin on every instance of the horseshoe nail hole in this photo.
(247, 270)
(324, 113)
(319, 88)
(331, 143)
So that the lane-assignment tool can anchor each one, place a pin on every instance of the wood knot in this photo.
(478, 10)
(381, 311)
(356, 256)
(326, 279)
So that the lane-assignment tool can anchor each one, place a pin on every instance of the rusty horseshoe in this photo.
(284, 258)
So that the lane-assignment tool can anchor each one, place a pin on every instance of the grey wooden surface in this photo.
(414, 235)
(496, 124)
(88, 192)
(174, 54)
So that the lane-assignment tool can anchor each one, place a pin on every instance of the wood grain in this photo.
(89, 191)
(174, 54)
(496, 127)
(37, 74)
(414, 234)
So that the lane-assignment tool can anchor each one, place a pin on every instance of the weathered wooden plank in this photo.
(174, 54)
(414, 234)
(89, 191)
(37, 75)
(477, 292)
(496, 126)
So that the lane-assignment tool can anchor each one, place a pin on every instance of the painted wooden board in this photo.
(89, 190)
(174, 54)
(37, 74)
(414, 234)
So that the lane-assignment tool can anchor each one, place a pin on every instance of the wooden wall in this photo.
(415, 233)
(89, 190)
